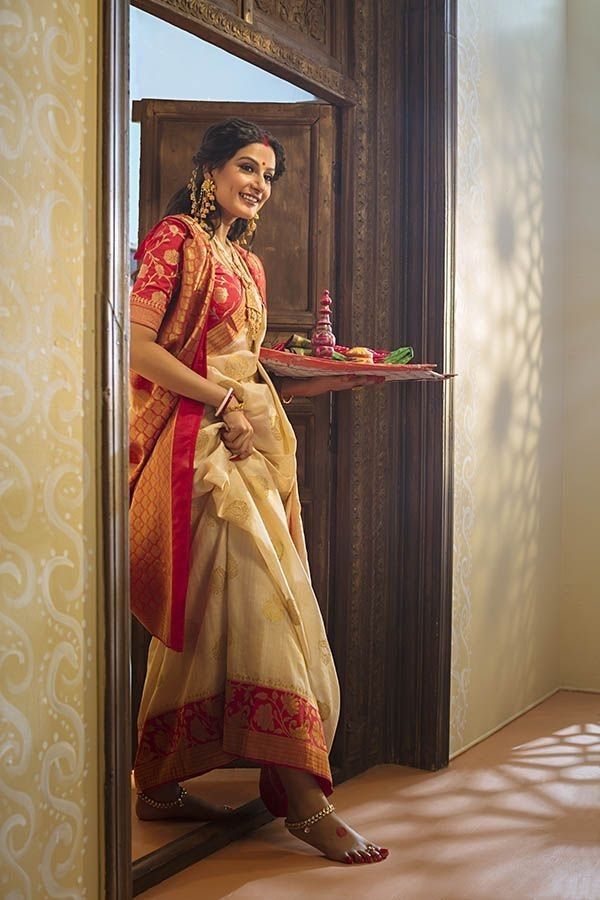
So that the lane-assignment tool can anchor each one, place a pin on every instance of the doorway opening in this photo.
(394, 207)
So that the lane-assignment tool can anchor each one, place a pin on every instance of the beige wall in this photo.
(580, 609)
(48, 684)
(510, 359)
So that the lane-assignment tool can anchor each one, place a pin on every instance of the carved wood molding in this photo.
(112, 497)
(392, 592)
(424, 567)
(363, 589)
(313, 72)
(308, 16)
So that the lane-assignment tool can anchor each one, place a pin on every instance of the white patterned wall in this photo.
(48, 683)
(509, 411)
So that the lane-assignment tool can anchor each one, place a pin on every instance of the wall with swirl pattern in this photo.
(509, 400)
(48, 682)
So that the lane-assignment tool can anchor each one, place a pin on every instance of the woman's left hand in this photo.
(312, 387)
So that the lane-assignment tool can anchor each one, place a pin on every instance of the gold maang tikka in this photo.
(204, 205)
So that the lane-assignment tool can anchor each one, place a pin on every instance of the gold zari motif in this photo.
(239, 369)
(272, 609)
(238, 512)
(217, 581)
(325, 653)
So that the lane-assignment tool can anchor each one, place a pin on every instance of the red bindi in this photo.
(341, 831)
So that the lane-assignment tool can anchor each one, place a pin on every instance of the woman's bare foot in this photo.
(337, 841)
(178, 805)
(329, 834)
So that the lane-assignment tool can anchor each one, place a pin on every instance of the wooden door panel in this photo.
(300, 429)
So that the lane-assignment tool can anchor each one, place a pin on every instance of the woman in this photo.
(239, 665)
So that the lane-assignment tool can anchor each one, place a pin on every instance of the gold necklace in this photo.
(227, 255)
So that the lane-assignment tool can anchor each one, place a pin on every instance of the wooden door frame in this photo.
(397, 107)
(113, 500)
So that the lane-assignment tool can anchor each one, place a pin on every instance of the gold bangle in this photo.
(234, 407)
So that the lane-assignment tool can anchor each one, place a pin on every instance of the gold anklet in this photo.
(305, 824)
(164, 804)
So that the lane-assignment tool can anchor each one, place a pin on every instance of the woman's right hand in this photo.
(238, 434)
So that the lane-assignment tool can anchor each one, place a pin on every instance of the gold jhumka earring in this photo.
(248, 232)
(204, 205)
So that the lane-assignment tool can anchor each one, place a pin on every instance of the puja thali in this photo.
(291, 365)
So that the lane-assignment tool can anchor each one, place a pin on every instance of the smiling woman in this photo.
(237, 165)
(243, 185)
(219, 572)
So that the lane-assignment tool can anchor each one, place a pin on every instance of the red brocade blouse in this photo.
(159, 276)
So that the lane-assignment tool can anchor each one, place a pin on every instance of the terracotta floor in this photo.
(517, 816)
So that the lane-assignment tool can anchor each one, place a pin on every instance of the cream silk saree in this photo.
(255, 677)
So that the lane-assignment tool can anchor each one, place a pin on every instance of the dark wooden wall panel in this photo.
(427, 131)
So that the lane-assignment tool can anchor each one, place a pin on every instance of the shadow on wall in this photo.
(509, 408)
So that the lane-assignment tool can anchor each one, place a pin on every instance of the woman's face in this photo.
(243, 183)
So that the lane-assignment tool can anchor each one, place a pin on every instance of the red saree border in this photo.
(163, 428)
(250, 721)
(188, 418)
(161, 561)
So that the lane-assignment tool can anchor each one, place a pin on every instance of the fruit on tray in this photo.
(302, 346)
(360, 355)
(322, 344)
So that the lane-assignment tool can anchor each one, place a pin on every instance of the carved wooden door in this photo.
(295, 241)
